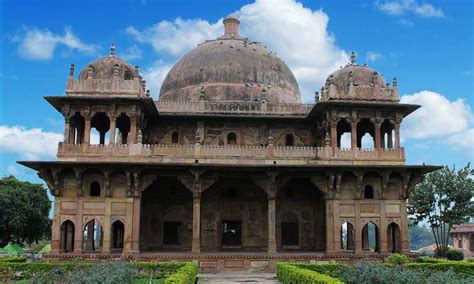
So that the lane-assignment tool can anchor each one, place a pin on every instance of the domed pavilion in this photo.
(228, 167)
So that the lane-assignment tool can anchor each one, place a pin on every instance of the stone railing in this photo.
(231, 107)
(227, 152)
(116, 86)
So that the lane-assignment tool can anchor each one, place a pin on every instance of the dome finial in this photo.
(353, 57)
(231, 24)
(112, 49)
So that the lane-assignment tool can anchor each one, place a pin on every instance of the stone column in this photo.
(354, 133)
(404, 229)
(107, 229)
(127, 239)
(136, 226)
(78, 227)
(397, 135)
(334, 134)
(56, 227)
(383, 228)
(196, 244)
(378, 134)
(329, 227)
(357, 229)
(132, 135)
(66, 130)
(112, 129)
(271, 224)
(390, 139)
(87, 129)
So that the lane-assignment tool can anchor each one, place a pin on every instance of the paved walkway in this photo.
(234, 277)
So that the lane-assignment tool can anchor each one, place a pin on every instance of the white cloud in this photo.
(31, 144)
(401, 7)
(463, 140)
(37, 44)
(406, 23)
(131, 53)
(437, 116)
(154, 77)
(373, 56)
(298, 34)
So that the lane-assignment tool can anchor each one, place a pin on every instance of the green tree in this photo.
(443, 198)
(419, 236)
(24, 212)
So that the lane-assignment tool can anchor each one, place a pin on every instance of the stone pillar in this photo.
(271, 224)
(383, 228)
(132, 135)
(405, 247)
(378, 134)
(397, 135)
(136, 225)
(335, 228)
(334, 134)
(357, 229)
(354, 133)
(112, 129)
(196, 244)
(78, 226)
(66, 130)
(127, 239)
(87, 129)
(106, 244)
(56, 227)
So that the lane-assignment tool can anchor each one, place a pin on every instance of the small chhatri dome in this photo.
(230, 68)
(108, 67)
(358, 82)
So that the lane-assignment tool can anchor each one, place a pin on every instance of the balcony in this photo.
(229, 154)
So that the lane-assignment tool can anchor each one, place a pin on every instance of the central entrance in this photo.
(231, 233)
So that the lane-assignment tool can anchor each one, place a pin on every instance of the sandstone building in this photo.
(229, 167)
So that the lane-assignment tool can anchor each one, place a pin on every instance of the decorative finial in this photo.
(112, 50)
(327, 140)
(90, 71)
(148, 93)
(231, 24)
(197, 137)
(394, 82)
(71, 70)
(270, 137)
(139, 136)
(116, 70)
(202, 94)
(316, 96)
(353, 58)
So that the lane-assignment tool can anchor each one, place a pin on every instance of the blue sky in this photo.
(428, 45)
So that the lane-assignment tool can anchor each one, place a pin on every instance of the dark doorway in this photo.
(118, 230)
(289, 234)
(67, 236)
(231, 233)
(171, 233)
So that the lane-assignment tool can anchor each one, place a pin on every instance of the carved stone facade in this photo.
(251, 178)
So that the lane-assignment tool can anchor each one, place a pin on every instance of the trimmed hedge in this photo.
(332, 269)
(185, 275)
(462, 267)
(13, 259)
(292, 273)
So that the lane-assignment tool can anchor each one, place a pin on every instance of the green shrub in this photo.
(290, 273)
(107, 272)
(332, 269)
(461, 267)
(455, 254)
(13, 259)
(426, 259)
(397, 259)
(185, 275)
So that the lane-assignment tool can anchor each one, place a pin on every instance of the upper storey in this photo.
(108, 75)
(358, 83)
(231, 68)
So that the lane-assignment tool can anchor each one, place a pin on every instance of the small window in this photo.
(174, 137)
(231, 138)
(95, 189)
(128, 75)
(289, 140)
(369, 192)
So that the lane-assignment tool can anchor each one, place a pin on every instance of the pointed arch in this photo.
(370, 237)
(92, 236)
(394, 237)
(118, 232)
(67, 236)
(347, 236)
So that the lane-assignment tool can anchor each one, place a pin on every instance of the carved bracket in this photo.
(196, 183)
(78, 172)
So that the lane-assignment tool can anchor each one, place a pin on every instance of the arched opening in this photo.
(128, 75)
(101, 123)
(123, 127)
(347, 236)
(76, 129)
(175, 137)
(368, 192)
(343, 132)
(289, 140)
(231, 138)
(95, 189)
(92, 237)
(67, 236)
(386, 130)
(118, 230)
(370, 237)
(393, 237)
(365, 134)
(289, 230)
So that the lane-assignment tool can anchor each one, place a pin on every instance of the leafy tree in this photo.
(24, 210)
(443, 198)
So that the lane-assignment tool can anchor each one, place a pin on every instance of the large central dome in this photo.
(231, 68)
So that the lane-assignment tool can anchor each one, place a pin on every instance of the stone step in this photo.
(237, 277)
